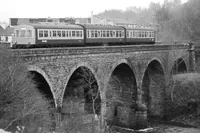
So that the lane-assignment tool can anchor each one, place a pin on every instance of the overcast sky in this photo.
(63, 8)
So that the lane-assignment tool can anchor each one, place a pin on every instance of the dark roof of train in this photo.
(138, 28)
(55, 26)
(103, 27)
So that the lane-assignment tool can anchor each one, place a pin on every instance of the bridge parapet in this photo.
(95, 50)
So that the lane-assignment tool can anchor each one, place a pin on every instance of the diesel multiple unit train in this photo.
(69, 35)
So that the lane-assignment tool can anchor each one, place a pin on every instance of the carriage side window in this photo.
(104, 33)
(81, 33)
(107, 33)
(98, 33)
(131, 34)
(140, 34)
(29, 33)
(40, 33)
(45, 33)
(120, 33)
(148, 34)
(152, 34)
(70, 33)
(58, 33)
(143, 34)
(114, 33)
(50, 33)
(73, 33)
(92, 34)
(127, 34)
(67, 34)
(101, 34)
(54, 33)
(88, 33)
(111, 33)
(95, 33)
(77, 33)
(63, 33)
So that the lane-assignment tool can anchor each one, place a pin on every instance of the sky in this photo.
(64, 8)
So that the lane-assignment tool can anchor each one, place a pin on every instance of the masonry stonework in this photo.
(58, 65)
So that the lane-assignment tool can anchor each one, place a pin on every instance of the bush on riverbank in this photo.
(184, 102)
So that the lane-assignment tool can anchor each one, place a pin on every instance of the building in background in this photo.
(6, 34)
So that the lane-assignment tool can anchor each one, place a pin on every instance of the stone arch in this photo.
(43, 75)
(82, 90)
(121, 95)
(179, 66)
(153, 88)
(82, 64)
(115, 65)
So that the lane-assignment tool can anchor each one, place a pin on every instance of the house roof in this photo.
(6, 32)
(2, 30)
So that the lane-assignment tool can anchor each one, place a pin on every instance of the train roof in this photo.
(138, 28)
(51, 26)
(109, 27)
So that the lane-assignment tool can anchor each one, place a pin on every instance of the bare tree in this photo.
(21, 104)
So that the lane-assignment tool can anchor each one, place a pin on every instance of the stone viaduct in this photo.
(143, 71)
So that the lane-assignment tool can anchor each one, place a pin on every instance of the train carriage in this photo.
(103, 35)
(39, 35)
(138, 35)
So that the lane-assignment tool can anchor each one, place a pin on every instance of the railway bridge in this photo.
(138, 76)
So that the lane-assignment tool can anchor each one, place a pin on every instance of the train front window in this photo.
(17, 33)
(23, 33)
(29, 33)
(46, 33)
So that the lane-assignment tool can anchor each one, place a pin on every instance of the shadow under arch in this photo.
(121, 96)
(43, 83)
(81, 94)
(153, 88)
(178, 67)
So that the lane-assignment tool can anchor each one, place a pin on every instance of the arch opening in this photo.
(82, 95)
(179, 67)
(42, 86)
(121, 96)
(153, 88)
